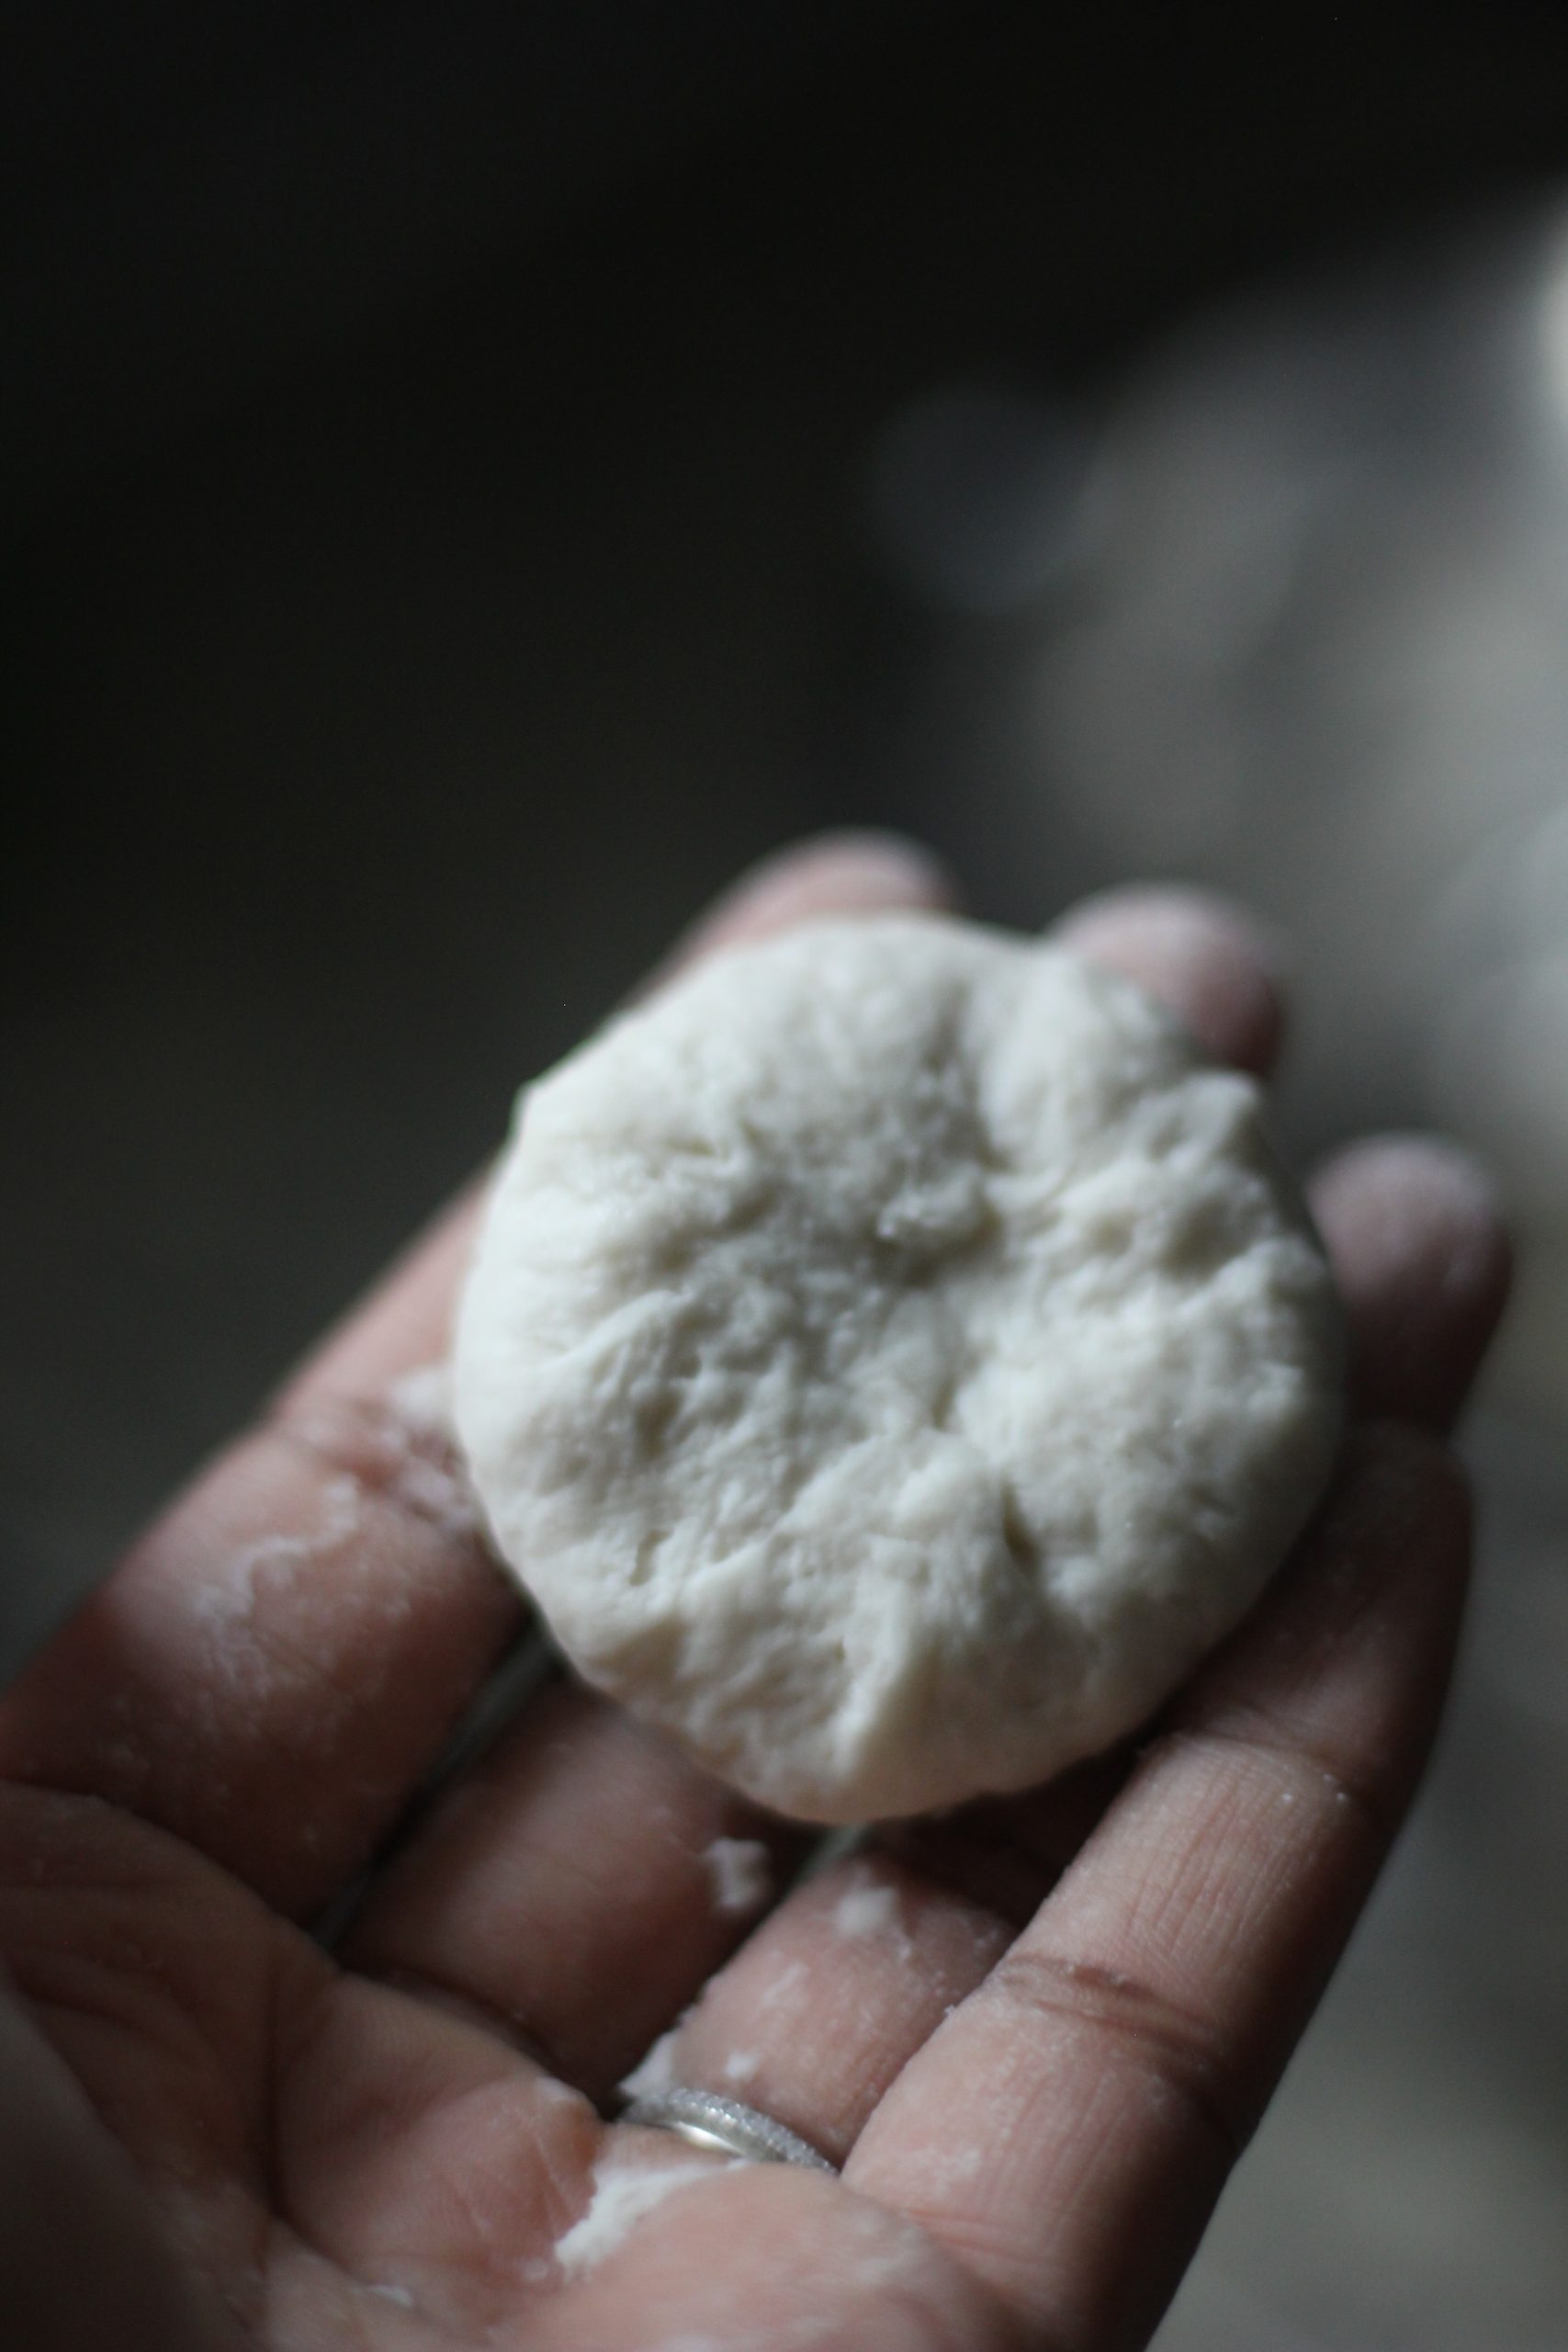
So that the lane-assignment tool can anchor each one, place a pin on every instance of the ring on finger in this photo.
(727, 2127)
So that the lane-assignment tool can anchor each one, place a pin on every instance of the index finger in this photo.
(276, 1663)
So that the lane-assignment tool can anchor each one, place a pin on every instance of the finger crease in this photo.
(1168, 2043)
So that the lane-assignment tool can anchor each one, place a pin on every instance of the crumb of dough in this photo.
(869, 1910)
(741, 1874)
(423, 1398)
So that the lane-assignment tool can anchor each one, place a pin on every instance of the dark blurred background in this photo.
(473, 476)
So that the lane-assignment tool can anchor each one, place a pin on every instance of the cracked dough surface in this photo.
(891, 1358)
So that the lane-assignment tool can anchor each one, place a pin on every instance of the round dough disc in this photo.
(892, 1357)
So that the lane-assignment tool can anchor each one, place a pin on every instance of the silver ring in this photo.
(727, 2126)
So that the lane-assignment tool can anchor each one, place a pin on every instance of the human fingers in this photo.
(1423, 1261)
(1067, 2131)
(759, 2258)
(280, 1660)
(1196, 952)
(835, 1993)
(574, 1888)
(587, 1879)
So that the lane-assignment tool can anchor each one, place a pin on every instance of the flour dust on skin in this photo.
(740, 1873)
(623, 2195)
(867, 1911)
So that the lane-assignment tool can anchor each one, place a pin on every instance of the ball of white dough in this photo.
(891, 1359)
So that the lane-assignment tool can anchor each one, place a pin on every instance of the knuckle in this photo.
(1180, 2054)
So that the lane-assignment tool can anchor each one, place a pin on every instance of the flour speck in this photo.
(871, 1910)
(422, 1399)
(437, 1493)
(740, 1873)
(785, 1987)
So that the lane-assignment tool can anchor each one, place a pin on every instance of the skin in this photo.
(1036, 2036)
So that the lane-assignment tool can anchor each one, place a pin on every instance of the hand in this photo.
(1035, 2037)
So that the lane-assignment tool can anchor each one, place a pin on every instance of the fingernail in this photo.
(1175, 916)
(850, 868)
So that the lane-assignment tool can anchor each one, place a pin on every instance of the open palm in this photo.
(1033, 2035)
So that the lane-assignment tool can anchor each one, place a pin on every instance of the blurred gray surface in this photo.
(386, 719)
(1305, 639)
(1408, 2187)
